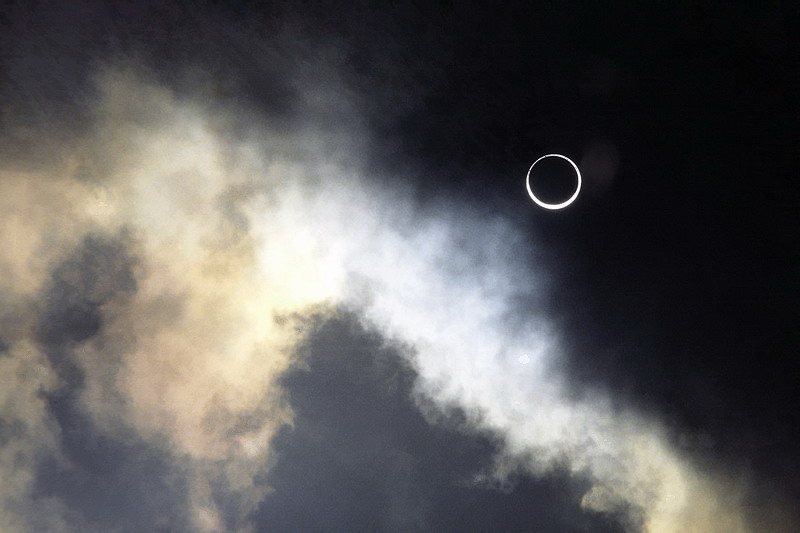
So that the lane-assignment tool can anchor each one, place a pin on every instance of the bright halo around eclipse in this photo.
(563, 204)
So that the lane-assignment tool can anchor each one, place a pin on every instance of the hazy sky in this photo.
(273, 268)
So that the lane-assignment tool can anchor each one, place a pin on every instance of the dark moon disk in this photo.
(556, 179)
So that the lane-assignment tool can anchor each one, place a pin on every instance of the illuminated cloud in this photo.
(189, 358)
(227, 237)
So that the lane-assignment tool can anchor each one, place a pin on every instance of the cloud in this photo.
(26, 435)
(152, 267)
(361, 455)
(187, 353)
(454, 304)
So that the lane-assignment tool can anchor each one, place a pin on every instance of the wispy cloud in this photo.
(229, 227)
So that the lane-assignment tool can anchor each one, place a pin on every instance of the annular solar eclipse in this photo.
(566, 202)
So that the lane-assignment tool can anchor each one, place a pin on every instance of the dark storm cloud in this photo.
(107, 482)
(361, 456)
(99, 269)
(110, 484)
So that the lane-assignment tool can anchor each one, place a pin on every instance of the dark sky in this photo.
(672, 281)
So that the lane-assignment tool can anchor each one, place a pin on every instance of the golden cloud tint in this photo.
(224, 238)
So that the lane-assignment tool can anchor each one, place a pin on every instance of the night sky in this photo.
(272, 267)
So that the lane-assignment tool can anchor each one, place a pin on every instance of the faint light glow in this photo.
(568, 200)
